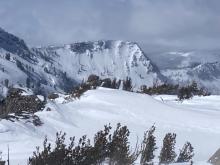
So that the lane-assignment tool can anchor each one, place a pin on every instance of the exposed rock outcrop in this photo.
(215, 159)
(16, 102)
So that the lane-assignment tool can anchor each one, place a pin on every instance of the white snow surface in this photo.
(196, 120)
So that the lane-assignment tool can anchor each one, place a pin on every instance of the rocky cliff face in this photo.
(112, 59)
(17, 103)
(59, 68)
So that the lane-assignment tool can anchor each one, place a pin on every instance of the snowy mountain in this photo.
(185, 67)
(107, 59)
(14, 45)
(59, 68)
(180, 59)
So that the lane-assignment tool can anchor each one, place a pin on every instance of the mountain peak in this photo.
(105, 58)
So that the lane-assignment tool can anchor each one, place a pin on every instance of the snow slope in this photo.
(196, 121)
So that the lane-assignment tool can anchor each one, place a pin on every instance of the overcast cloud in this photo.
(175, 23)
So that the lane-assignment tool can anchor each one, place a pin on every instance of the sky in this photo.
(184, 24)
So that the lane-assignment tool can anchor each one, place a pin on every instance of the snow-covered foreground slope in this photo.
(196, 121)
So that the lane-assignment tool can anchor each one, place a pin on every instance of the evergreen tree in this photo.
(184, 93)
(190, 91)
(7, 83)
(120, 153)
(114, 84)
(8, 56)
(148, 147)
(41, 158)
(194, 88)
(19, 65)
(111, 149)
(82, 154)
(59, 152)
(28, 82)
(127, 84)
(167, 154)
(186, 154)
(101, 145)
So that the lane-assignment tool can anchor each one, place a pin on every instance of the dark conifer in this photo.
(148, 147)
(186, 153)
(127, 84)
(119, 147)
(167, 154)
(101, 145)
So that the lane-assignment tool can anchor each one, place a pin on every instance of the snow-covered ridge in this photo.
(112, 59)
(59, 68)
(14, 45)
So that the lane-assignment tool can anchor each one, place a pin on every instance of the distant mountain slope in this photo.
(60, 68)
(112, 59)
(206, 75)
(14, 45)
(181, 59)
(19, 66)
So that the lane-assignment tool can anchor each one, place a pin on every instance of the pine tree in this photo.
(82, 154)
(185, 93)
(59, 152)
(167, 154)
(42, 157)
(127, 84)
(120, 153)
(7, 83)
(114, 84)
(101, 145)
(112, 149)
(194, 88)
(8, 56)
(148, 147)
(186, 154)
(28, 82)
(19, 65)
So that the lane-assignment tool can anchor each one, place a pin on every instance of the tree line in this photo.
(182, 92)
(111, 148)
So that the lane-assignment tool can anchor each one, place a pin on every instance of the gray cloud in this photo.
(172, 23)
